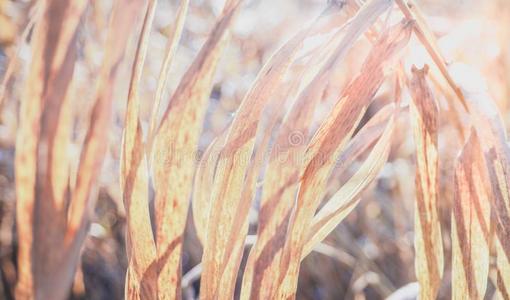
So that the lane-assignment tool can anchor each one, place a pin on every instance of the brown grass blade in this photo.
(95, 144)
(43, 272)
(141, 251)
(503, 268)
(233, 163)
(284, 93)
(241, 219)
(348, 196)
(141, 276)
(34, 17)
(424, 113)
(326, 145)
(471, 223)
(365, 138)
(171, 48)
(204, 179)
(234, 166)
(489, 125)
(451, 111)
(422, 31)
(282, 174)
(174, 150)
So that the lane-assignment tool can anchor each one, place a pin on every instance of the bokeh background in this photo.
(370, 255)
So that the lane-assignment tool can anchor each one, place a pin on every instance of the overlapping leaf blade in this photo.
(489, 125)
(141, 275)
(428, 242)
(348, 196)
(471, 232)
(328, 142)
(174, 153)
(282, 176)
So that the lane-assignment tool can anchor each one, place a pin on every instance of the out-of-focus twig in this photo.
(9, 72)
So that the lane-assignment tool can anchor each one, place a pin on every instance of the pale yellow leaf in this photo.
(428, 243)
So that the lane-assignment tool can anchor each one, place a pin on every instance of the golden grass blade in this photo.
(234, 165)
(136, 75)
(489, 125)
(348, 196)
(34, 17)
(56, 119)
(282, 174)
(260, 158)
(285, 91)
(424, 113)
(471, 223)
(503, 268)
(174, 150)
(326, 145)
(365, 138)
(171, 48)
(422, 31)
(141, 250)
(131, 129)
(241, 219)
(204, 179)
(95, 144)
(43, 272)
(141, 276)
(452, 111)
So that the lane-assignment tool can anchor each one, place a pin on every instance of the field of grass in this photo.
(228, 149)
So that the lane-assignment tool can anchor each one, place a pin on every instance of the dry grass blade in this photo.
(94, 149)
(41, 135)
(489, 125)
(141, 250)
(171, 47)
(14, 61)
(471, 223)
(452, 111)
(231, 213)
(47, 264)
(284, 93)
(365, 138)
(282, 174)
(348, 196)
(174, 151)
(204, 179)
(241, 219)
(428, 244)
(411, 11)
(233, 163)
(329, 141)
(141, 275)
(503, 267)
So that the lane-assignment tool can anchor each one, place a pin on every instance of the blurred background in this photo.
(370, 255)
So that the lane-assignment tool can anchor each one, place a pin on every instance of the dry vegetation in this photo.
(365, 143)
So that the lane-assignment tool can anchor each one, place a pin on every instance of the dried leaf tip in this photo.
(429, 262)
(429, 41)
(420, 72)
